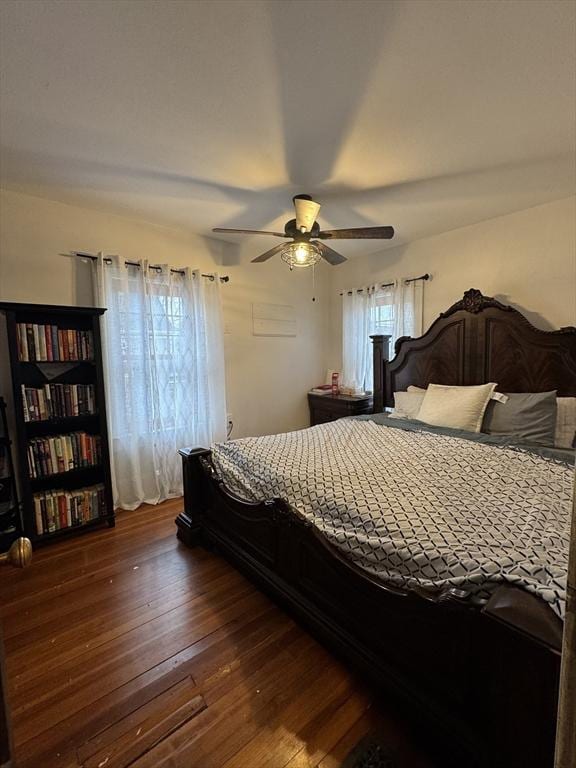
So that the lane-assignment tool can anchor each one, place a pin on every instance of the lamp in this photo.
(302, 254)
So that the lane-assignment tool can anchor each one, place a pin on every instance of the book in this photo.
(22, 340)
(59, 509)
(49, 343)
(38, 514)
(57, 401)
(30, 342)
(54, 345)
(322, 389)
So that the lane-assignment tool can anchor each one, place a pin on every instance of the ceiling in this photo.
(424, 115)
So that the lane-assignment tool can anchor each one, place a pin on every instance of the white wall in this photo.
(267, 378)
(527, 259)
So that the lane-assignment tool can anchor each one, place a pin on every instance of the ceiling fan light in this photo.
(306, 212)
(301, 255)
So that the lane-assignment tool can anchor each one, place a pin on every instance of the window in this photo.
(164, 366)
(383, 319)
(394, 311)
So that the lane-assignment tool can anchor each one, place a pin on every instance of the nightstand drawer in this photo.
(324, 408)
(321, 417)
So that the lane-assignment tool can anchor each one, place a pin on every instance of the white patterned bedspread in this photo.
(418, 508)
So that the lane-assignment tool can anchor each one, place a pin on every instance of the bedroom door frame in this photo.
(5, 729)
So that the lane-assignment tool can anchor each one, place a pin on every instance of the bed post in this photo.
(188, 521)
(379, 357)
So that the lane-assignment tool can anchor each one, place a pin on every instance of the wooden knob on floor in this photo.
(19, 555)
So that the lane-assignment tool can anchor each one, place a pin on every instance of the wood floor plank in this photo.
(127, 739)
(128, 749)
(67, 643)
(126, 648)
(70, 688)
(53, 582)
(59, 740)
(170, 699)
(338, 753)
(49, 578)
(93, 661)
(103, 545)
(323, 692)
(237, 712)
(118, 572)
(314, 741)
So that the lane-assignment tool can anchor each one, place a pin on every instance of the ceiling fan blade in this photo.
(361, 233)
(306, 212)
(269, 254)
(249, 232)
(329, 254)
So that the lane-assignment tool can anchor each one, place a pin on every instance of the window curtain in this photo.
(358, 314)
(162, 341)
(395, 311)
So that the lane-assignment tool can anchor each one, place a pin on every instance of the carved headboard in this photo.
(476, 341)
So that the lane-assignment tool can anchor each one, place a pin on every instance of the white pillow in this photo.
(456, 407)
(494, 396)
(565, 422)
(407, 404)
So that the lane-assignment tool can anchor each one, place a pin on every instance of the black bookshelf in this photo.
(32, 379)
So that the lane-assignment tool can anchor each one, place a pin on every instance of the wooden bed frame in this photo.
(480, 685)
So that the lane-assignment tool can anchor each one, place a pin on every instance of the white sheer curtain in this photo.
(394, 311)
(358, 315)
(164, 373)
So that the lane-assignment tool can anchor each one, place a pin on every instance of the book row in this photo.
(56, 401)
(61, 453)
(58, 509)
(49, 343)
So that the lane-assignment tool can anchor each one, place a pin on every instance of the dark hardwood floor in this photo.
(125, 648)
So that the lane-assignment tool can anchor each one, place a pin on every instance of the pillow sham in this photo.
(565, 422)
(407, 404)
(493, 396)
(456, 407)
(529, 417)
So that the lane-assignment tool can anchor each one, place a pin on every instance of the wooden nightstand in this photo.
(325, 408)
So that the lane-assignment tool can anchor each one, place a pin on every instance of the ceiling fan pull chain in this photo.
(313, 283)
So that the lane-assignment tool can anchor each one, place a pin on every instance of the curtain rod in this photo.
(108, 260)
(390, 285)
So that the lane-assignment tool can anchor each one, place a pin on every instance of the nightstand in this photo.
(325, 408)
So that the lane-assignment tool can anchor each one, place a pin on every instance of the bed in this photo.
(473, 663)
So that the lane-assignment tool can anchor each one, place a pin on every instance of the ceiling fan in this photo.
(305, 250)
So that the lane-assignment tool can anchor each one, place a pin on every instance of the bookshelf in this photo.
(63, 459)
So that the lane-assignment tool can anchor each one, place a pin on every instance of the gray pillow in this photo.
(528, 417)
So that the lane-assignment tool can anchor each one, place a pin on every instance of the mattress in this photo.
(420, 507)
